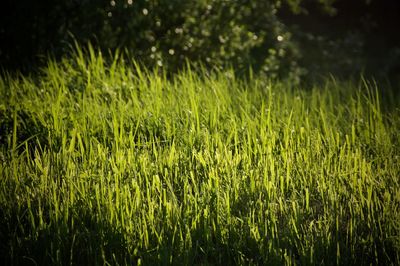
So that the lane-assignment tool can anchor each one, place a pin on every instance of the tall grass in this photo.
(116, 164)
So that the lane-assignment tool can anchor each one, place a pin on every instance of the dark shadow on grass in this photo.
(88, 240)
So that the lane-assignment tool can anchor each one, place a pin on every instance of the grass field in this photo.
(115, 164)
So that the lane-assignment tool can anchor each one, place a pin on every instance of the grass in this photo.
(115, 164)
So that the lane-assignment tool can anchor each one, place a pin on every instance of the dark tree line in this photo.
(281, 38)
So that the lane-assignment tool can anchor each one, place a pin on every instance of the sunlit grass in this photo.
(113, 163)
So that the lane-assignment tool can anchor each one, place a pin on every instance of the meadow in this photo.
(110, 163)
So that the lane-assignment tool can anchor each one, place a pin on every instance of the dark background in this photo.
(360, 37)
(343, 37)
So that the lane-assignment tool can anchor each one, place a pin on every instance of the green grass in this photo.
(115, 164)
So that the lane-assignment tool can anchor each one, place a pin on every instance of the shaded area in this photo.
(292, 39)
(358, 37)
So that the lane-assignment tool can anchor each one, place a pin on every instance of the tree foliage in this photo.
(218, 33)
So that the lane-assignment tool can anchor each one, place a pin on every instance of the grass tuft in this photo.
(116, 164)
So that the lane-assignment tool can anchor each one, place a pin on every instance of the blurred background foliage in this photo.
(283, 38)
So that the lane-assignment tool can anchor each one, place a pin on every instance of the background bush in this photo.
(286, 38)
